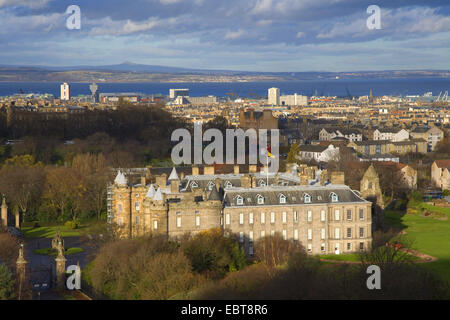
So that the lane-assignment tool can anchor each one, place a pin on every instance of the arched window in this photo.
(282, 198)
(239, 200)
(307, 198)
(228, 184)
(260, 199)
(334, 197)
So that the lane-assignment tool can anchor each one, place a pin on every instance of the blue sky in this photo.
(253, 35)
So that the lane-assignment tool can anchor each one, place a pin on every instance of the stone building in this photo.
(251, 119)
(303, 204)
(440, 174)
(370, 190)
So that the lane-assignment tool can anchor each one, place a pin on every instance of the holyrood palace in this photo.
(303, 204)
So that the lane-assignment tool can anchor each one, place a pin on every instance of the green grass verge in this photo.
(428, 235)
(54, 252)
(49, 232)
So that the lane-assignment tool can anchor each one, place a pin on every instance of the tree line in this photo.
(56, 193)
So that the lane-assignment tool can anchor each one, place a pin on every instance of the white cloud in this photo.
(24, 3)
(232, 35)
(300, 34)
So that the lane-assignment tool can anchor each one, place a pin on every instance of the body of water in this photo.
(247, 89)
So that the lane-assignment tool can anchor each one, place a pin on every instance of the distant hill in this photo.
(132, 72)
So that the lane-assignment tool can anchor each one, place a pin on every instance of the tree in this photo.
(293, 152)
(64, 188)
(274, 250)
(22, 181)
(94, 173)
(7, 283)
(213, 254)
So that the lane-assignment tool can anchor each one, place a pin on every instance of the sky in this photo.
(247, 35)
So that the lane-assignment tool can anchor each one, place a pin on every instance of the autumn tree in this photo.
(94, 175)
(22, 181)
(293, 152)
(64, 189)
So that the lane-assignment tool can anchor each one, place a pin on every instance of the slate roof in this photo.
(295, 195)
(312, 148)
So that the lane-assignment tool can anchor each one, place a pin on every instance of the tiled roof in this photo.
(443, 163)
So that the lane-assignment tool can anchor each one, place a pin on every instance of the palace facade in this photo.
(304, 204)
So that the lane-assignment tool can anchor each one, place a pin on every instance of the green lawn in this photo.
(54, 252)
(341, 257)
(49, 232)
(428, 235)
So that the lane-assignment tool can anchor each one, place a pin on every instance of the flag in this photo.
(268, 152)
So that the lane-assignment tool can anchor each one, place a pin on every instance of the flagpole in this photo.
(267, 168)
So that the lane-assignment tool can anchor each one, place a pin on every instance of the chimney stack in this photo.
(195, 171)
(161, 180)
(252, 168)
(337, 177)
(245, 181)
(143, 181)
(208, 170)
(236, 169)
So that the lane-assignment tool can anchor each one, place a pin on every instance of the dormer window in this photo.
(319, 198)
(307, 198)
(334, 197)
(228, 184)
(282, 198)
(262, 183)
(260, 199)
(210, 185)
(194, 185)
(239, 200)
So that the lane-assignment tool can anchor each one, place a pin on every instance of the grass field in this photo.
(49, 232)
(428, 235)
(54, 252)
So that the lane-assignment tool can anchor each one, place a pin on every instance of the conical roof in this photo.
(151, 191)
(158, 195)
(120, 179)
(173, 175)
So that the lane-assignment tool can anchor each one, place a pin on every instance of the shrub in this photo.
(71, 224)
(212, 254)
(7, 283)
(416, 196)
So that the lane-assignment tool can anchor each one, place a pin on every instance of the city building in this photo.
(251, 119)
(328, 134)
(324, 215)
(294, 100)
(440, 174)
(174, 93)
(65, 91)
(318, 153)
(393, 134)
(432, 135)
(94, 92)
(274, 96)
